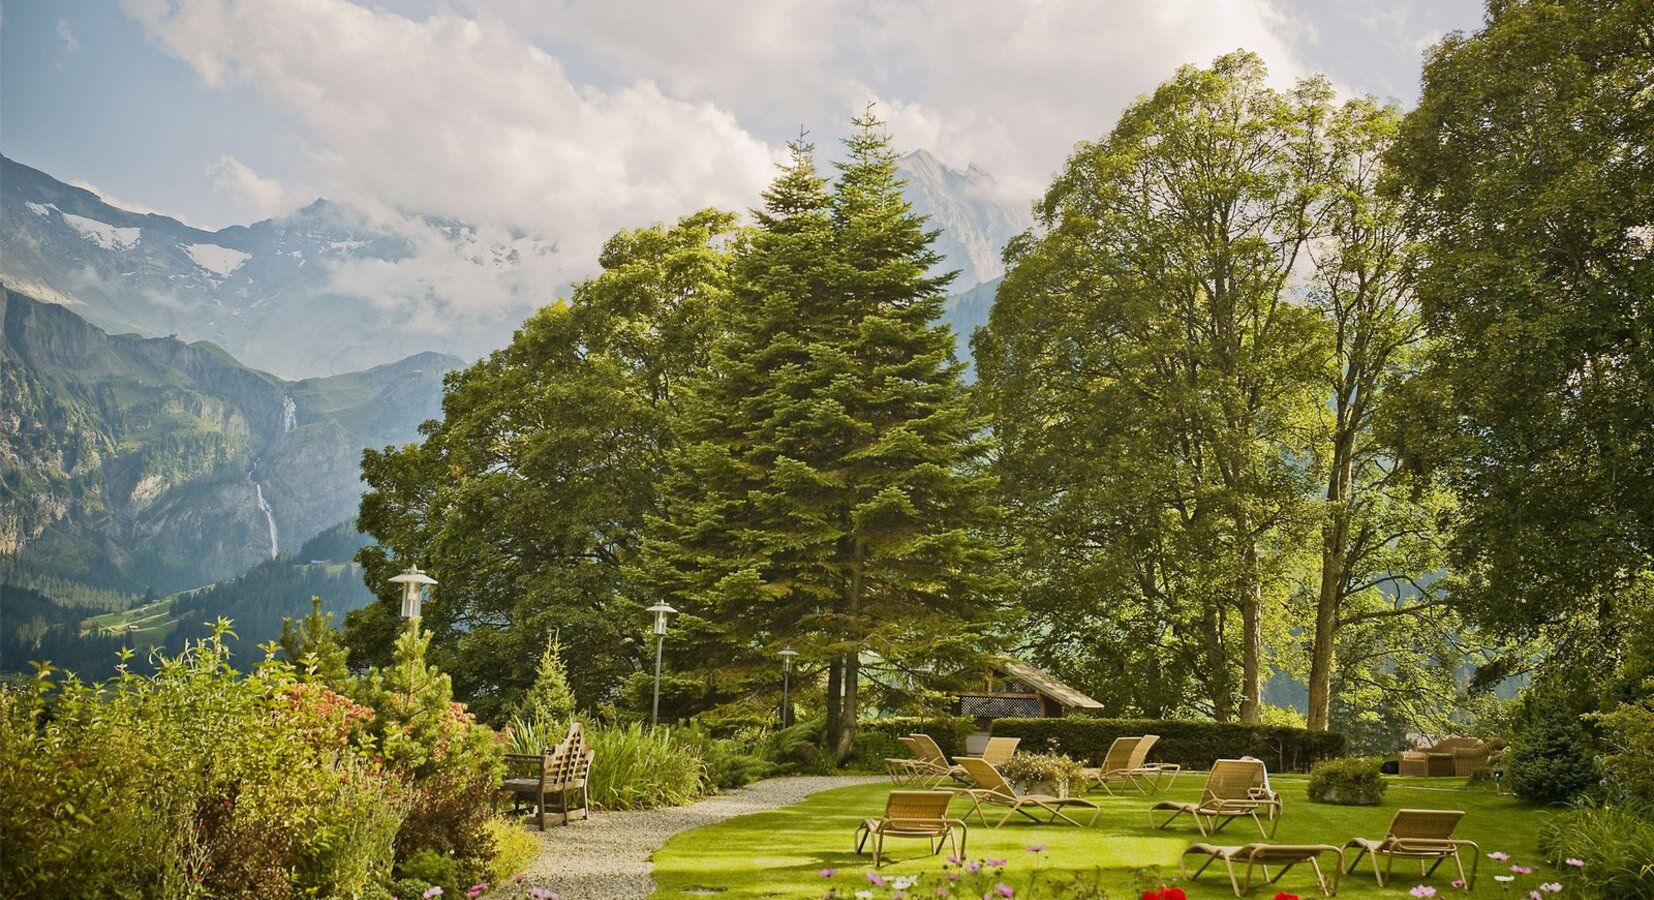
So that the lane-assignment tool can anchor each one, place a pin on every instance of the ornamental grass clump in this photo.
(637, 767)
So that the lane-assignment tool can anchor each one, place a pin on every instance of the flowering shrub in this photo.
(195, 782)
(1030, 769)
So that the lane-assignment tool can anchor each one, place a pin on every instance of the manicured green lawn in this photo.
(781, 853)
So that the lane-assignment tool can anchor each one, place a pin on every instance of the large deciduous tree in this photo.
(528, 496)
(1529, 177)
(1154, 382)
(828, 492)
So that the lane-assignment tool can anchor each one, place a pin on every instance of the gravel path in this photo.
(607, 856)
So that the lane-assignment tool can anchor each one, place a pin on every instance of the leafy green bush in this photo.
(796, 749)
(1630, 735)
(1352, 781)
(196, 780)
(1193, 745)
(1550, 758)
(950, 733)
(454, 764)
(1611, 843)
(729, 764)
(638, 767)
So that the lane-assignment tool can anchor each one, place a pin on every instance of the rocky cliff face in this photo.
(130, 462)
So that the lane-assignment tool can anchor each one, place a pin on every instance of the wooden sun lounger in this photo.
(991, 787)
(1262, 856)
(1236, 788)
(1421, 834)
(914, 814)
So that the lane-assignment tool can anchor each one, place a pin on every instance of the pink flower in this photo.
(1423, 890)
(1458, 882)
(1551, 887)
(1535, 895)
(955, 860)
(1522, 870)
(1498, 856)
(943, 892)
(994, 863)
(1575, 862)
(432, 892)
(542, 894)
(1038, 848)
(876, 878)
(1003, 890)
(973, 867)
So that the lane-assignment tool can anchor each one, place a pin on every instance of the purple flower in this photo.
(994, 863)
(1423, 890)
(828, 873)
(954, 860)
(973, 867)
(1004, 890)
(1575, 862)
(1522, 870)
(1038, 848)
(1458, 882)
(876, 878)
(1498, 856)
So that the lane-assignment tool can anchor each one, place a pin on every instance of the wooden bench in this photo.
(558, 780)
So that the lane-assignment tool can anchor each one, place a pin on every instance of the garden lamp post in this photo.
(786, 682)
(661, 611)
(413, 584)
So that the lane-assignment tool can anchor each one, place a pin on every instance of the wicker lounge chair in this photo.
(1116, 762)
(1236, 788)
(926, 749)
(914, 814)
(1262, 856)
(1421, 834)
(919, 770)
(991, 787)
(999, 750)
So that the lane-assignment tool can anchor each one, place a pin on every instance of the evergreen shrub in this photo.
(1351, 781)
(1193, 745)
(1551, 755)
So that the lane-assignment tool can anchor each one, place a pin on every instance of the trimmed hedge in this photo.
(1354, 781)
(949, 731)
(1193, 745)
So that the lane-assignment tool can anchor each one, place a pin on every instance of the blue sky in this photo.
(577, 118)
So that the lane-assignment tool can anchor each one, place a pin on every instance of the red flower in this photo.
(1166, 893)
(1286, 896)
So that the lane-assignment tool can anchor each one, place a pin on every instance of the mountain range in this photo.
(130, 461)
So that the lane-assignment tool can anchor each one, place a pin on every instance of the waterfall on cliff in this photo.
(289, 415)
(263, 507)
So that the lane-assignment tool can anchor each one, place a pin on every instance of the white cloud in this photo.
(463, 117)
(1008, 84)
(67, 36)
(266, 197)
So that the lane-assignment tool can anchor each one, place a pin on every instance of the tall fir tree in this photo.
(828, 492)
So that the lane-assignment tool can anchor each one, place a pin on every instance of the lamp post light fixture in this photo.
(413, 584)
(661, 611)
(786, 683)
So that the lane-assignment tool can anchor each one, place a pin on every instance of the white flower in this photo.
(864, 894)
(904, 882)
(1504, 878)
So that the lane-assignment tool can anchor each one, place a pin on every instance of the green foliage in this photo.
(1534, 405)
(528, 496)
(949, 732)
(1193, 745)
(198, 781)
(828, 489)
(730, 763)
(638, 767)
(313, 647)
(1551, 753)
(1612, 841)
(549, 699)
(1629, 733)
(454, 765)
(1351, 781)
(432, 869)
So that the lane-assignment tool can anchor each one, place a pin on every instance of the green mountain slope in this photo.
(130, 462)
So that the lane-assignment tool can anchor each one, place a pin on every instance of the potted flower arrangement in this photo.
(1041, 773)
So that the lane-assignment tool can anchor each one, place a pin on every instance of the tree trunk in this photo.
(835, 690)
(1251, 605)
(1217, 664)
(846, 743)
(1334, 549)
